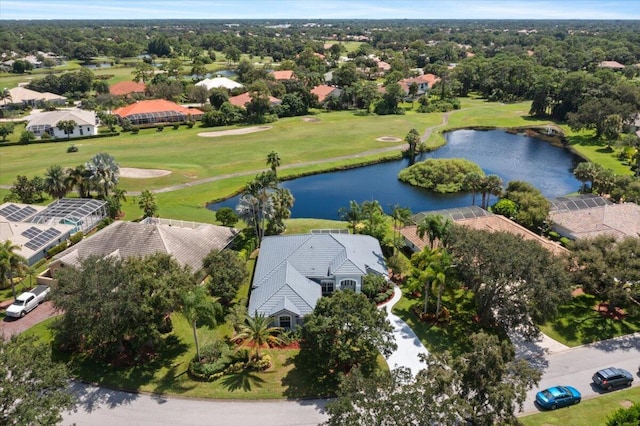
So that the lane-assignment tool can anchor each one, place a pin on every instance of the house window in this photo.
(348, 285)
(285, 322)
(81, 132)
(327, 287)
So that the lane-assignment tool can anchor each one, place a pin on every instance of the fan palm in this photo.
(55, 182)
(104, 172)
(198, 306)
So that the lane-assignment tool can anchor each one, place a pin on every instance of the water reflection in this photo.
(512, 157)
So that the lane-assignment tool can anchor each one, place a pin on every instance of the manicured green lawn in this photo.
(596, 151)
(589, 412)
(578, 323)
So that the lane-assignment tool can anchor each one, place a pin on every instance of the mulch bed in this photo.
(603, 309)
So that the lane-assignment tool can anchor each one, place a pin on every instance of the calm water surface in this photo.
(512, 157)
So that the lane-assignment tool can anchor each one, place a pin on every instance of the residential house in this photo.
(424, 83)
(612, 65)
(243, 99)
(476, 218)
(219, 82)
(188, 242)
(27, 97)
(127, 88)
(589, 216)
(283, 75)
(36, 229)
(324, 92)
(157, 111)
(294, 271)
(47, 122)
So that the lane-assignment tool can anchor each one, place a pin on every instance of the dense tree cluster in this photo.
(118, 310)
(439, 175)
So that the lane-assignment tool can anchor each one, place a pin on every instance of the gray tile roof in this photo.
(288, 263)
(188, 245)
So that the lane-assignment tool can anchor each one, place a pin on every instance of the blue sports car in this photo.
(558, 396)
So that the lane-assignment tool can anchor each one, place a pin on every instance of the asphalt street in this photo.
(103, 407)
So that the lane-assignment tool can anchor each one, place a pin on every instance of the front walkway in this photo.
(409, 346)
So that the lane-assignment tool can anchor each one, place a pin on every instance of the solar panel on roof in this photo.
(21, 214)
(7, 210)
(31, 232)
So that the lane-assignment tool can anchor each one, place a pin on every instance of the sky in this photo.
(319, 9)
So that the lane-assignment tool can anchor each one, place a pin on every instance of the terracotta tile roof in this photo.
(127, 87)
(283, 75)
(429, 79)
(322, 91)
(245, 98)
(491, 223)
(154, 105)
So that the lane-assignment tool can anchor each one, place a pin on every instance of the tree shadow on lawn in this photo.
(303, 382)
(130, 378)
(578, 322)
(584, 140)
(242, 380)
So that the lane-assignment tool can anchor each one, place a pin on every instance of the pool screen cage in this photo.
(83, 214)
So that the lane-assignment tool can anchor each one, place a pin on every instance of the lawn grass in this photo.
(589, 412)
(578, 323)
(595, 150)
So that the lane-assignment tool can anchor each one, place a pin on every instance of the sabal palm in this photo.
(273, 161)
(55, 181)
(400, 216)
(199, 306)
(104, 171)
(472, 183)
(435, 227)
(258, 331)
(10, 261)
(79, 178)
(6, 95)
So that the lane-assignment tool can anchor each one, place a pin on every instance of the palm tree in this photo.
(413, 139)
(493, 187)
(255, 205)
(435, 227)
(6, 94)
(273, 160)
(440, 274)
(353, 214)
(147, 203)
(472, 183)
(79, 178)
(104, 172)
(9, 262)
(400, 216)
(258, 331)
(55, 182)
(584, 172)
(424, 273)
(67, 127)
(198, 306)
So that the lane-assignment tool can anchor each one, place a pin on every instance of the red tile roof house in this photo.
(283, 75)
(157, 111)
(125, 88)
(324, 92)
(424, 82)
(245, 98)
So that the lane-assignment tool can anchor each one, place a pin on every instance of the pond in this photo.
(98, 65)
(512, 157)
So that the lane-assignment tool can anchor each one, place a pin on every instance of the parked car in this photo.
(558, 396)
(612, 377)
(28, 301)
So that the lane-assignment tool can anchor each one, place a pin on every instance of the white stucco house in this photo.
(47, 122)
(294, 271)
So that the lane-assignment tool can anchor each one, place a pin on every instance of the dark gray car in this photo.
(612, 377)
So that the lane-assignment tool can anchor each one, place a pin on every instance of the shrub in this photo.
(554, 236)
(135, 130)
(72, 148)
(176, 126)
(190, 124)
(160, 127)
(76, 238)
(625, 416)
(45, 136)
(57, 249)
(26, 137)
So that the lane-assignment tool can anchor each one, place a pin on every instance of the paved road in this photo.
(575, 366)
(102, 407)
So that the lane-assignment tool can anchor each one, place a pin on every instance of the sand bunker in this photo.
(389, 139)
(132, 173)
(234, 132)
(311, 119)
